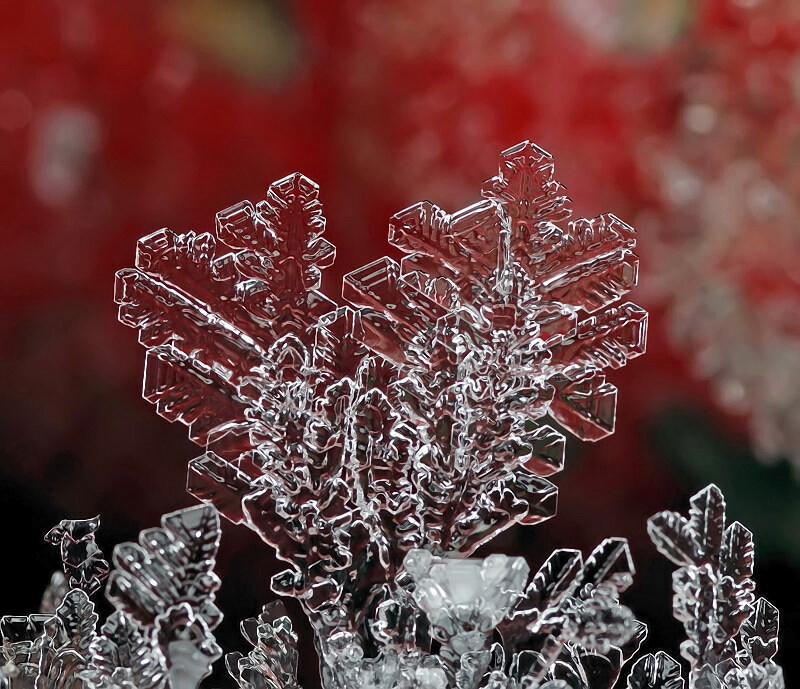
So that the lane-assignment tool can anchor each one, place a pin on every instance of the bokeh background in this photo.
(680, 116)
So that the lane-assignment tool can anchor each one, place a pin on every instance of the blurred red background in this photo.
(681, 117)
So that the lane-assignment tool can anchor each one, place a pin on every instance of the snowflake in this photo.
(415, 415)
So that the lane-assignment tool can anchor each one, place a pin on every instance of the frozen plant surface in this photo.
(376, 445)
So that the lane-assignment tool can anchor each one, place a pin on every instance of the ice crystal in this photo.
(731, 639)
(272, 664)
(414, 418)
(444, 622)
(376, 445)
(83, 562)
(160, 634)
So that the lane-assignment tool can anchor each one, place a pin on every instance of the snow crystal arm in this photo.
(163, 589)
(169, 566)
(209, 307)
(731, 638)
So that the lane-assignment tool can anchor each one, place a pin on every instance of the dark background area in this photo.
(119, 118)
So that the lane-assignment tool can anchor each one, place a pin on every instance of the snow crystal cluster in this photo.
(376, 442)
